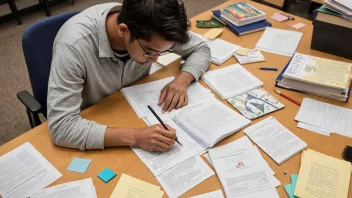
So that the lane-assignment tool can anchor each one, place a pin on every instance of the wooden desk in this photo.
(115, 111)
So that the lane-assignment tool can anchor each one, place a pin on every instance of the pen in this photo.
(268, 68)
(288, 97)
(162, 123)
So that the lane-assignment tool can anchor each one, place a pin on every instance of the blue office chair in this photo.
(37, 44)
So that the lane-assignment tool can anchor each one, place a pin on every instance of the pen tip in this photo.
(278, 92)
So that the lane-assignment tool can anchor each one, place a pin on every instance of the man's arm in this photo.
(197, 55)
(67, 127)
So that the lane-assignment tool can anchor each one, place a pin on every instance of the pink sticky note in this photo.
(298, 25)
(279, 17)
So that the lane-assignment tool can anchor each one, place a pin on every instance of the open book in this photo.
(198, 128)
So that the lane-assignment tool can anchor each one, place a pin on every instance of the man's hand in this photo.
(155, 138)
(174, 94)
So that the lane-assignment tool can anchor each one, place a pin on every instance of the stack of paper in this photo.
(318, 76)
(131, 187)
(140, 96)
(245, 56)
(283, 42)
(275, 139)
(324, 118)
(242, 171)
(344, 7)
(220, 50)
(290, 188)
(24, 171)
(231, 81)
(322, 176)
(76, 189)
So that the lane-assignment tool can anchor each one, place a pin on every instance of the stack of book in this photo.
(318, 76)
(242, 18)
(333, 28)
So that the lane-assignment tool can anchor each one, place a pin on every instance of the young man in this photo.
(107, 47)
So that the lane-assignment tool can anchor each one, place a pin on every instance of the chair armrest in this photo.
(29, 101)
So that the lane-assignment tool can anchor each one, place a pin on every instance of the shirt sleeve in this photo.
(197, 55)
(67, 127)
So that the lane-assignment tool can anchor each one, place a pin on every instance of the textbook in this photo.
(313, 88)
(255, 103)
(246, 29)
(242, 14)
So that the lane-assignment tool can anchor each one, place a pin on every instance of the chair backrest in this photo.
(37, 44)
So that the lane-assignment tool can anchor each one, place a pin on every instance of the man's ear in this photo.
(122, 29)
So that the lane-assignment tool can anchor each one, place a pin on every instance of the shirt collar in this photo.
(104, 44)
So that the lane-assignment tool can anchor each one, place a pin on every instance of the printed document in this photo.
(76, 189)
(278, 41)
(214, 194)
(275, 139)
(184, 176)
(24, 171)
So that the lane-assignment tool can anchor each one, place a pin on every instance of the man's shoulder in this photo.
(84, 27)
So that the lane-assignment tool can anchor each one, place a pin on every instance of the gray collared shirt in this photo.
(84, 70)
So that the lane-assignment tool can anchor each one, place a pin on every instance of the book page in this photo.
(231, 81)
(140, 96)
(278, 41)
(76, 189)
(276, 140)
(210, 121)
(159, 162)
(184, 176)
(319, 71)
(241, 172)
(322, 176)
(23, 171)
(327, 116)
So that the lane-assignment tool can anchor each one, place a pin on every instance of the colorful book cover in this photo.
(242, 11)
(255, 103)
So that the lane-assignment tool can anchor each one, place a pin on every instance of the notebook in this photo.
(231, 81)
(242, 14)
(255, 103)
(275, 139)
(246, 29)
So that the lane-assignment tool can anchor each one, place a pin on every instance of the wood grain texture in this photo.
(115, 111)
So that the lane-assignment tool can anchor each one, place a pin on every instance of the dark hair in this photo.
(146, 18)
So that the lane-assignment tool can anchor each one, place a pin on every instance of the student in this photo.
(107, 47)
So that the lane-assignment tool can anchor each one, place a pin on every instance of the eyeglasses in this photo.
(148, 54)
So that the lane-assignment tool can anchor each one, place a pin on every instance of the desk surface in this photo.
(115, 111)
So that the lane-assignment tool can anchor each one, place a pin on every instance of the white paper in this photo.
(220, 50)
(231, 81)
(76, 189)
(207, 157)
(184, 176)
(254, 55)
(241, 172)
(159, 162)
(276, 140)
(210, 121)
(326, 116)
(315, 129)
(213, 194)
(140, 96)
(279, 41)
(24, 171)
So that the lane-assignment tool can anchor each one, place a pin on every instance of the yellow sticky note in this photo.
(322, 176)
(213, 33)
(242, 51)
(131, 187)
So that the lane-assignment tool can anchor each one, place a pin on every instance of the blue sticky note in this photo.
(294, 178)
(288, 188)
(79, 165)
(106, 175)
